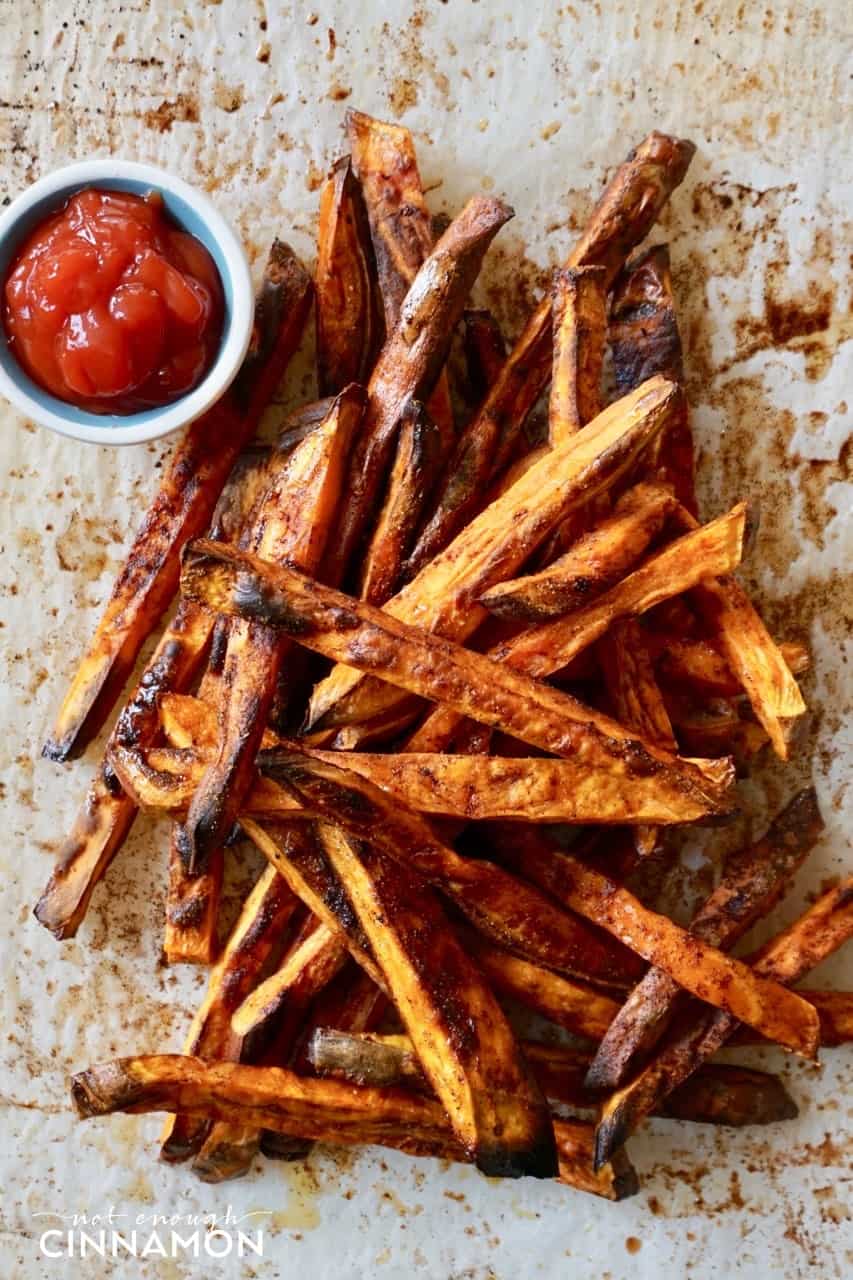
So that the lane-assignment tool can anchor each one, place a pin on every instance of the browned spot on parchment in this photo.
(84, 546)
(182, 109)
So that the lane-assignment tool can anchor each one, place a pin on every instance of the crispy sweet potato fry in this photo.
(724, 1095)
(346, 318)
(504, 908)
(182, 507)
(462, 1040)
(788, 957)
(485, 350)
(319, 956)
(107, 814)
(496, 695)
(324, 1110)
(625, 213)
(579, 323)
(599, 558)
(293, 523)
(411, 478)
(697, 667)
(835, 1010)
(694, 964)
(753, 882)
(411, 360)
(249, 948)
(443, 597)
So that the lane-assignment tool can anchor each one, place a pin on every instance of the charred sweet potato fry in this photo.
(443, 597)
(347, 324)
(788, 957)
(485, 350)
(497, 695)
(625, 213)
(598, 560)
(694, 964)
(323, 1110)
(461, 1037)
(183, 507)
(410, 480)
(292, 523)
(724, 1095)
(411, 359)
(107, 814)
(249, 948)
(753, 882)
(644, 339)
(579, 323)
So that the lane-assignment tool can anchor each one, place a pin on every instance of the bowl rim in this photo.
(159, 422)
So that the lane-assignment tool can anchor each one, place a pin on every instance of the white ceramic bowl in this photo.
(195, 214)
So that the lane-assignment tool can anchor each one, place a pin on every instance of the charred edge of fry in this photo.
(226, 1154)
(192, 907)
(733, 1096)
(485, 350)
(345, 308)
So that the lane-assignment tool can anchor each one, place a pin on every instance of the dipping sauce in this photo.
(110, 306)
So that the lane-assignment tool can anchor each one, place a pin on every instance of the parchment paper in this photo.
(536, 102)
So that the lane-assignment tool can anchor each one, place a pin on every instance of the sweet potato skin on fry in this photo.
(462, 1039)
(325, 1110)
(815, 935)
(182, 507)
(346, 317)
(753, 882)
(411, 359)
(625, 213)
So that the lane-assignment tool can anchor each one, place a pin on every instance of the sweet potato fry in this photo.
(644, 339)
(625, 213)
(723, 1095)
(249, 949)
(462, 1040)
(753, 882)
(410, 480)
(192, 907)
(485, 350)
(107, 814)
(443, 597)
(579, 324)
(182, 508)
(835, 1010)
(411, 360)
(712, 549)
(599, 558)
(297, 855)
(815, 935)
(324, 1110)
(694, 964)
(347, 324)
(503, 908)
(305, 971)
(293, 523)
(695, 666)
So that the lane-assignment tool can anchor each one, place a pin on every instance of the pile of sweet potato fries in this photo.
(458, 688)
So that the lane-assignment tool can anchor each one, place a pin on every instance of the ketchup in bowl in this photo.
(110, 306)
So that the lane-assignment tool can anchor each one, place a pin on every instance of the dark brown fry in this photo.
(325, 1110)
(753, 882)
(625, 213)
(107, 814)
(252, 942)
(346, 318)
(694, 964)
(411, 360)
(183, 507)
(461, 1037)
(485, 350)
(293, 523)
(699, 1034)
(579, 325)
(644, 339)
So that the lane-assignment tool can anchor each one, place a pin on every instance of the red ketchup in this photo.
(110, 306)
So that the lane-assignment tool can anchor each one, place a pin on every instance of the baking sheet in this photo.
(536, 102)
